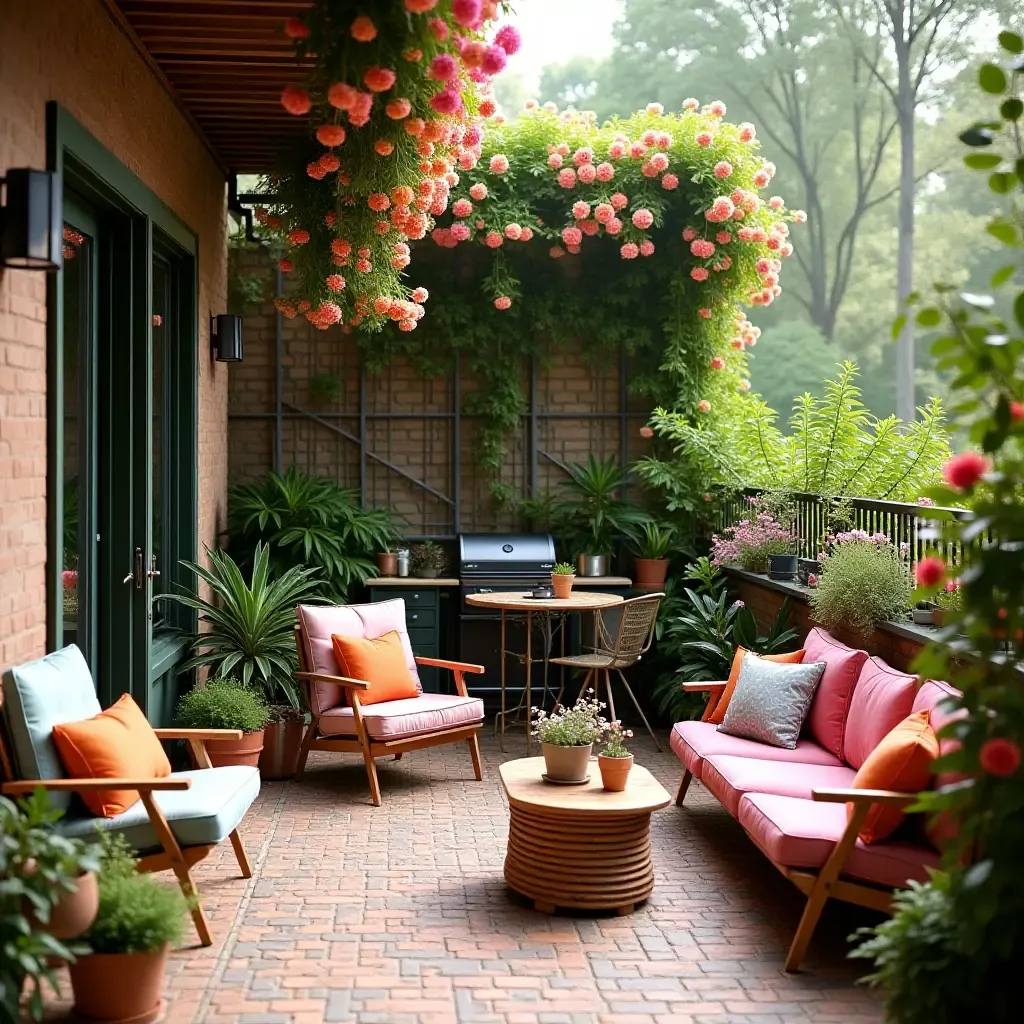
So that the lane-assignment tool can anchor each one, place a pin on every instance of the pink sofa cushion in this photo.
(394, 719)
(692, 742)
(729, 777)
(802, 833)
(942, 827)
(881, 700)
(319, 622)
(827, 719)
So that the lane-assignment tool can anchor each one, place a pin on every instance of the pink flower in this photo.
(364, 266)
(420, 7)
(716, 108)
(704, 139)
(646, 431)
(930, 572)
(378, 201)
(723, 238)
(703, 405)
(1000, 757)
(629, 251)
(669, 182)
(460, 232)
(603, 213)
(472, 136)
(567, 177)
(747, 132)
(604, 172)
(478, 191)
(420, 294)
(363, 29)
(447, 101)
(572, 236)
(493, 240)
(659, 162)
(723, 169)
(556, 252)
(718, 363)
(509, 39)
(69, 579)
(646, 247)
(587, 173)
(963, 471)
(699, 273)
(614, 226)
(527, 234)
(637, 151)
(580, 210)
(721, 209)
(1017, 411)
(799, 216)
(617, 150)
(378, 79)
(583, 155)
(689, 234)
(702, 248)
(776, 202)
(467, 12)
(648, 170)
(555, 160)
(444, 67)
(494, 60)
(655, 108)
(499, 163)
(691, 104)
(330, 135)
(761, 179)
(513, 232)
(643, 218)
(295, 100)
(462, 208)
(502, 302)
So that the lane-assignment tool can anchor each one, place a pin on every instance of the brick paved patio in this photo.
(400, 915)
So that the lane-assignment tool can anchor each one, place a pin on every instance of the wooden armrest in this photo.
(25, 786)
(322, 677)
(198, 734)
(704, 686)
(888, 797)
(461, 666)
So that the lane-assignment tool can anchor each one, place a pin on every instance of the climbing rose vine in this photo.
(394, 102)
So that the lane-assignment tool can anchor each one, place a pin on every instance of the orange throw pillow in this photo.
(902, 762)
(718, 713)
(380, 661)
(115, 744)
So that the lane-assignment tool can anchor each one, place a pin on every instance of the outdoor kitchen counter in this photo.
(411, 581)
(602, 581)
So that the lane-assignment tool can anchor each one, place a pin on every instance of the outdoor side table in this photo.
(580, 847)
(520, 602)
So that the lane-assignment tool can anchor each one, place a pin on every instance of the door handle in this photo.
(136, 573)
(153, 570)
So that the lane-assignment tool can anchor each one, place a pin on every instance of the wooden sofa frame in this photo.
(174, 857)
(371, 749)
(826, 882)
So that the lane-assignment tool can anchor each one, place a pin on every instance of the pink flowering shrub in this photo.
(749, 543)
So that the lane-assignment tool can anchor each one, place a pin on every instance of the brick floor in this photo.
(399, 915)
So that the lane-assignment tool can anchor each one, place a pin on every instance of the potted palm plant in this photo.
(652, 541)
(567, 738)
(224, 704)
(562, 576)
(122, 979)
(250, 639)
(615, 761)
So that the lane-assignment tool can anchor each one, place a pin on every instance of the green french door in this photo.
(123, 372)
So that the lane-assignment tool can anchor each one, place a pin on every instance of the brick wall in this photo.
(567, 386)
(72, 52)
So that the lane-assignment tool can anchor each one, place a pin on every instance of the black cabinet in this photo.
(424, 621)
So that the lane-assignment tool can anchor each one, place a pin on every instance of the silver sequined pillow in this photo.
(771, 700)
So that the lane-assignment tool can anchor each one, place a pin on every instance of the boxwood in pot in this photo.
(223, 704)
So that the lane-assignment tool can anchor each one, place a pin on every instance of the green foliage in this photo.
(653, 539)
(250, 635)
(563, 569)
(981, 932)
(861, 583)
(223, 704)
(37, 867)
(137, 914)
(310, 522)
(594, 515)
(427, 557)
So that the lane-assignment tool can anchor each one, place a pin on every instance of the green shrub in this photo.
(137, 914)
(861, 582)
(222, 704)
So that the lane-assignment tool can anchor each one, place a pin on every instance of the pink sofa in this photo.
(793, 803)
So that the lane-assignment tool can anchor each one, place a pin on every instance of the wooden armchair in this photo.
(342, 723)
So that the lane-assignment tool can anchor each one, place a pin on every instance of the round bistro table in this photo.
(580, 847)
(520, 602)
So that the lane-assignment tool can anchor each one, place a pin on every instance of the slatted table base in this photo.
(579, 861)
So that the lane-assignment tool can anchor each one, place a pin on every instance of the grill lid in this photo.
(505, 554)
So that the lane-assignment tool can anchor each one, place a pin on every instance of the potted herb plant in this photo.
(567, 738)
(250, 638)
(428, 560)
(562, 577)
(223, 704)
(615, 761)
(652, 541)
(48, 896)
(949, 600)
(122, 979)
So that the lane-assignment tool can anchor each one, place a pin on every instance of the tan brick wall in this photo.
(567, 385)
(72, 52)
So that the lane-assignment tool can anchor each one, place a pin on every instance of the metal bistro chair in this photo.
(633, 640)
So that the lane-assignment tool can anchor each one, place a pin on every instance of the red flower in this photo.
(1000, 757)
(296, 28)
(930, 572)
(295, 100)
(1017, 411)
(646, 431)
(963, 471)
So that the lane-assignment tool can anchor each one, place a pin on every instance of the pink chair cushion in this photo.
(881, 700)
(826, 721)
(394, 719)
(730, 777)
(802, 833)
(319, 622)
(692, 742)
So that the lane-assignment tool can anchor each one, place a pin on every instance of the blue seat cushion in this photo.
(206, 813)
(39, 695)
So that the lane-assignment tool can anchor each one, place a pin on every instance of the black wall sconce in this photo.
(32, 220)
(226, 337)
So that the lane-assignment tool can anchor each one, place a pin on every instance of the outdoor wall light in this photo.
(226, 337)
(31, 220)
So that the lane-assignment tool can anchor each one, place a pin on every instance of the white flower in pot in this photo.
(568, 736)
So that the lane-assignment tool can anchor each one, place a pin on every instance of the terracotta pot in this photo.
(74, 911)
(566, 764)
(562, 584)
(650, 573)
(244, 751)
(120, 988)
(282, 740)
(387, 563)
(614, 771)
(938, 616)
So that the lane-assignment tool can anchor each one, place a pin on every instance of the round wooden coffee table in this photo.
(580, 847)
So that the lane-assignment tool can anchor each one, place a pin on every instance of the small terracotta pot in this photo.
(387, 563)
(614, 771)
(566, 764)
(938, 616)
(74, 911)
(650, 573)
(244, 751)
(562, 584)
(119, 988)
(282, 741)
